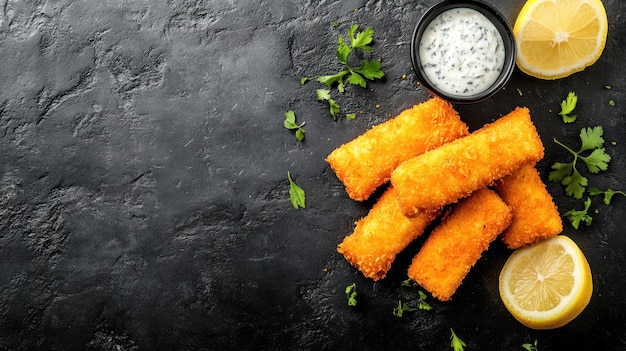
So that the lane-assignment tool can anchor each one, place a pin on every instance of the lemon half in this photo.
(556, 38)
(547, 284)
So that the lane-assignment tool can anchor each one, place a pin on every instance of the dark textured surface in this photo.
(143, 195)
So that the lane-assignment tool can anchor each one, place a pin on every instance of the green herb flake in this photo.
(351, 295)
(531, 347)
(407, 282)
(423, 305)
(296, 193)
(611, 102)
(455, 342)
(402, 308)
(567, 107)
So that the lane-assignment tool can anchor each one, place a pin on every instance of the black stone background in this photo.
(143, 181)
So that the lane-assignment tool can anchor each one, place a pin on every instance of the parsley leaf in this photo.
(370, 69)
(591, 138)
(456, 343)
(323, 94)
(290, 123)
(567, 106)
(296, 194)
(577, 216)
(357, 79)
(608, 194)
(362, 39)
(402, 307)
(596, 160)
(351, 294)
(343, 51)
(334, 108)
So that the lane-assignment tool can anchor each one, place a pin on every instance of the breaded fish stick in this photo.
(454, 170)
(366, 162)
(457, 243)
(535, 216)
(381, 235)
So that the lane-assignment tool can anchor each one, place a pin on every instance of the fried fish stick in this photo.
(381, 235)
(535, 216)
(457, 243)
(454, 170)
(366, 162)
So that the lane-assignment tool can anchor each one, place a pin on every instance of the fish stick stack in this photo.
(436, 166)
(366, 162)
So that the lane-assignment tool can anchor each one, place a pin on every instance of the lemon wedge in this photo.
(556, 38)
(547, 284)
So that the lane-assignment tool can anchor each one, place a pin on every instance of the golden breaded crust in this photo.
(535, 216)
(381, 235)
(366, 162)
(452, 171)
(458, 242)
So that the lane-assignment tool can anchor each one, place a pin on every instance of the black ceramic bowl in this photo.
(508, 41)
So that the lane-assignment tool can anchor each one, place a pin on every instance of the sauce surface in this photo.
(461, 52)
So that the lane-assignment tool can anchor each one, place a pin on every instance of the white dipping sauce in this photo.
(461, 52)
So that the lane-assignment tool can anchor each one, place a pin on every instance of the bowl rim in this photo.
(494, 16)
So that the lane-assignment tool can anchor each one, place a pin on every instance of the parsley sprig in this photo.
(290, 123)
(567, 107)
(367, 70)
(593, 155)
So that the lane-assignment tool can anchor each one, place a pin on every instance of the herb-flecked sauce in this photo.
(461, 52)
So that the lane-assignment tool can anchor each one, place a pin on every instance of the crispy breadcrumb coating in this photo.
(381, 235)
(457, 243)
(366, 162)
(535, 216)
(454, 170)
